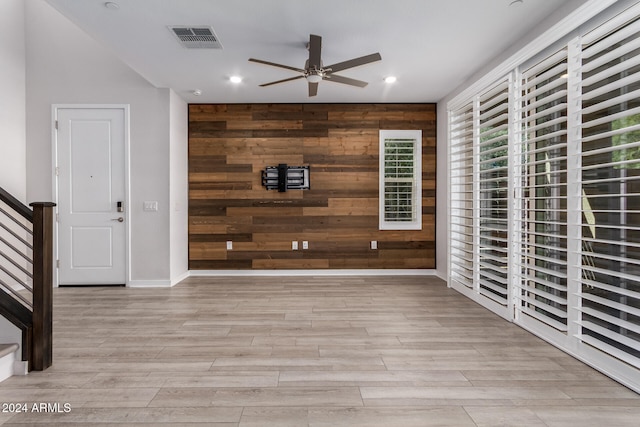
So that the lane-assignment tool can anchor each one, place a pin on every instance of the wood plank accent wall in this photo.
(229, 146)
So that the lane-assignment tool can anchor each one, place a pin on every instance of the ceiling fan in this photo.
(315, 72)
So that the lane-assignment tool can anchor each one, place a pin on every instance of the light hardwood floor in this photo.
(305, 351)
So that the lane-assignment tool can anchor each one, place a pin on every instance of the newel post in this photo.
(42, 285)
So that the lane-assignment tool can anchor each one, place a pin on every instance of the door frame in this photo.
(127, 187)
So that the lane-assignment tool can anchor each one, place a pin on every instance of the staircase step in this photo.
(7, 359)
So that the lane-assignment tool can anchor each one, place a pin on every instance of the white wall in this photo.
(66, 66)
(179, 189)
(12, 98)
(12, 118)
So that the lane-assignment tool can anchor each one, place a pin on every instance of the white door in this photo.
(91, 193)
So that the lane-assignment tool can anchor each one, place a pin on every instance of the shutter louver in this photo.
(541, 205)
(399, 170)
(610, 285)
(492, 166)
(462, 191)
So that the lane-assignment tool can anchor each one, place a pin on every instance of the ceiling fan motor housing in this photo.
(314, 76)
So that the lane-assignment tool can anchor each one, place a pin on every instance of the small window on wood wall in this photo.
(400, 180)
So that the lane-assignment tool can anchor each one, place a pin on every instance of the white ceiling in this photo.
(431, 46)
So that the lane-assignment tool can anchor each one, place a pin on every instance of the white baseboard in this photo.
(149, 284)
(180, 278)
(6, 365)
(441, 275)
(375, 272)
(281, 273)
(157, 283)
(20, 367)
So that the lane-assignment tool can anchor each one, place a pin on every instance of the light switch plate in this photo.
(229, 245)
(305, 244)
(374, 244)
(150, 206)
(294, 245)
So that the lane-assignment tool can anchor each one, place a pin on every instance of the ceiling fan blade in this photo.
(260, 61)
(282, 81)
(315, 51)
(313, 89)
(354, 62)
(345, 80)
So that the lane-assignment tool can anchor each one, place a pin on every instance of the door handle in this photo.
(119, 219)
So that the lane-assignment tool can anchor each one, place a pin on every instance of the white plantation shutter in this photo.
(610, 175)
(479, 201)
(492, 195)
(544, 200)
(462, 197)
(541, 193)
(400, 179)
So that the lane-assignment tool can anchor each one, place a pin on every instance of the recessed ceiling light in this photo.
(197, 92)
(112, 5)
(390, 79)
(235, 79)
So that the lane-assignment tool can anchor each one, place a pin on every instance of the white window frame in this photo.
(416, 200)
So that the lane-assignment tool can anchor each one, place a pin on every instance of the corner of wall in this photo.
(178, 187)
(442, 192)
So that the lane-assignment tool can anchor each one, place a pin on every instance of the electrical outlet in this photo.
(229, 245)
(150, 206)
(374, 244)
(294, 245)
(305, 244)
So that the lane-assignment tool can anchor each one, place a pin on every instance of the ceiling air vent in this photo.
(197, 37)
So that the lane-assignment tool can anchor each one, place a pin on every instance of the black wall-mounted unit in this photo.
(283, 177)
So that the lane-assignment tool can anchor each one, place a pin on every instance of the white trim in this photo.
(281, 273)
(180, 278)
(574, 190)
(150, 284)
(54, 190)
(374, 272)
(127, 175)
(7, 363)
(444, 276)
(416, 222)
(20, 367)
(447, 238)
(512, 177)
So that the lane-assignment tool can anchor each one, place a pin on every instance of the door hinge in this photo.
(57, 217)
(57, 171)
(57, 263)
(56, 125)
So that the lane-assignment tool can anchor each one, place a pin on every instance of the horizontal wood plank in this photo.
(231, 144)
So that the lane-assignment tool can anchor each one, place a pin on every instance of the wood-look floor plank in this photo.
(305, 351)
(253, 396)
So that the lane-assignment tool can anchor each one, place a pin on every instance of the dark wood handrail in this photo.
(16, 205)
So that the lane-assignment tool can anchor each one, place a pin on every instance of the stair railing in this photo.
(26, 275)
